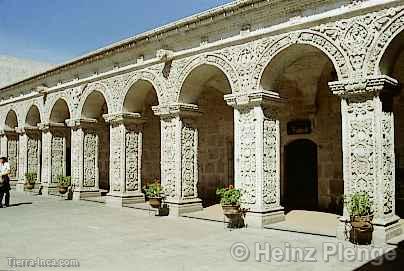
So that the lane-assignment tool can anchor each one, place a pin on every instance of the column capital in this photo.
(81, 123)
(47, 126)
(366, 86)
(8, 131)
(177, 109)
(125, 118)
(27, 129)
(260, 98)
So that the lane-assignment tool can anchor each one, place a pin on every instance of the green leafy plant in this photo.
(359, 204)
(229, 195)
(64, 181)
(153, 190)
(31, 177)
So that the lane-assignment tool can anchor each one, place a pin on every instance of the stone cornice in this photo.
(364, 86)
(260, 98)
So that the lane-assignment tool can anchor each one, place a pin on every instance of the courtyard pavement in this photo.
(103, 238)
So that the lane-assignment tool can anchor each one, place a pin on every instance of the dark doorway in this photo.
(301, 191)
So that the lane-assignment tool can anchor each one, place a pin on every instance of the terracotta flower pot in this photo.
(361, 231)
(30, 186)
(155, 202)
(63, 190)
(234, 214)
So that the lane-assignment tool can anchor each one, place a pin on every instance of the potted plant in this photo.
(360, 212)
(63, 183)
(230, 202)
(31, 178)
(154, 193)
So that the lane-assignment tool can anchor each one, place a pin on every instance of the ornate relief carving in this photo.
(188, 153)
(168, 159)
(12, 154)
(389, 23)
(388, 162)
(132, 160)
(116, 157)
(32, 153)
(57, 158)
(275, 45)
(271, 186)
(247, 139)
(209, 59)
(362, 146)
(90, 158)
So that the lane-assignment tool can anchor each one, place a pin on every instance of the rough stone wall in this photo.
(151, 143)
(216, 140)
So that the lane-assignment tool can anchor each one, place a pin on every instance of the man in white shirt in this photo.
(5, 181)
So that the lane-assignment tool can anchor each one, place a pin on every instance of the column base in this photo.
(48, 189)
(382, 232)
(184, 207)
(116, 200)
(259, 220)
(20, 187)
(78, 195)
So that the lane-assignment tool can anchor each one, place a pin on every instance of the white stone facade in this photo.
(232, 77)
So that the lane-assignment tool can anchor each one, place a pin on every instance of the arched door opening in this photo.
(392, 64)
(96, 143)
(140, 99)
(300, 73)
(60, 149)
(301, 183)
(206, 86)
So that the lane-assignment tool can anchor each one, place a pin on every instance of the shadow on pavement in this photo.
(381, 263)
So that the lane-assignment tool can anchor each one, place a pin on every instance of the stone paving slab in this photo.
(104, 238)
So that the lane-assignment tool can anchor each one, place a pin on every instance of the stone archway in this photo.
(56, 145)
(205, 87)
(140, 99)
(391, 64)
(300, 73)
(96, 137)
(32, 140)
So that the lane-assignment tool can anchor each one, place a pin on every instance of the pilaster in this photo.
(84, 145)
(126, 131)
(257, 155)
(368, 149)
(179, 157)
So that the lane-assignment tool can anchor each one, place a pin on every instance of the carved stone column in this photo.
(84, 144)
(179, 157)
(368, 149)
(3, 143)
(126, 158)
(10, 149)
(22, 158)
(53, 155)
(29, 154)
(257, 155)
